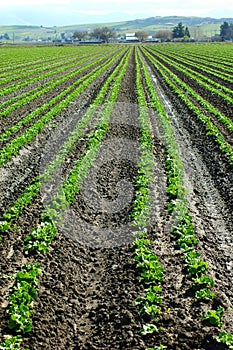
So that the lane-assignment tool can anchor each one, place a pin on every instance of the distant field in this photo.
(20, 33)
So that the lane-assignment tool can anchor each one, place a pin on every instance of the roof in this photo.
(131, 38)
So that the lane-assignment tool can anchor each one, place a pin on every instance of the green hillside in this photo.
(202, 26)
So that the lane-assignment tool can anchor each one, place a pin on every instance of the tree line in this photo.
(105, 33)
(102, 33)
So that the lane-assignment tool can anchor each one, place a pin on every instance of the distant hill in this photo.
(173, 20)
(205, 25)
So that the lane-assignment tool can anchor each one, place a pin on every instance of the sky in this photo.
(69, 12)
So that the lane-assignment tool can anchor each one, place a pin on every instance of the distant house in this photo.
(131, 38)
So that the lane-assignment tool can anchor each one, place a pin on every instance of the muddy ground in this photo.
(89, 284)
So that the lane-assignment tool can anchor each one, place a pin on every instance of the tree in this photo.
(163, 35)
(6, 36)
(103, 33)
(142, 35)
(79, 35)
(223, 29)
(178, 31)
(226, 31)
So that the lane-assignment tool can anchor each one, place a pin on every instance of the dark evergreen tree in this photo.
(223, 29)
(178, 31)
(226, 31)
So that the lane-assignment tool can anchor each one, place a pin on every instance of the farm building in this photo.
(130, 37)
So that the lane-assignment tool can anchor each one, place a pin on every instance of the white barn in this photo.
(130, 37)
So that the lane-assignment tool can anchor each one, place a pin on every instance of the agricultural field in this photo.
(116, 200)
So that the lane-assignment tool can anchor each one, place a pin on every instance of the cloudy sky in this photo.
(65, 12)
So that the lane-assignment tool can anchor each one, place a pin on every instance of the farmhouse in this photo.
(130, 37)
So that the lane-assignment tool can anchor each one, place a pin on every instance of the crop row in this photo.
(47, 105)
(65, 64)
(31, 191)
(216, 52)
(20, 307)
(19, 57)
(193, 94)
(21, 100)
(21, 84)
(219, 64)
(211, 85)
(147, 262)
(22, 56)
(29, 135)
(172, 81)
(34, 65)
(17, 101)
(194, 64)
(183, 228)
(26, 73)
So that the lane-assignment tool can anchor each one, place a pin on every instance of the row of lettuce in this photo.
(52, 110)
(185, 93)
(24, 291)
(214, 59)
(32, 189)
(151, 271)
(63, 62)
(58, 76)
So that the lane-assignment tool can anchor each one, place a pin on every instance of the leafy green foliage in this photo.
(29, 135)
(24, 291)
(199, 78)
(151, 300)
(183, 228)
(225, 338)
(11, 343)
(22, 298)
(197, 267)
(178, 87)
(150, 270)
(204, 294)
(202, 281)
(40, 237)
(214, 317)
(32, 190)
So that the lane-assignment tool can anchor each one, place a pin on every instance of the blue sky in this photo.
(65, 12)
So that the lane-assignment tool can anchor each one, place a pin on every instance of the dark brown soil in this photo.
(86, 298)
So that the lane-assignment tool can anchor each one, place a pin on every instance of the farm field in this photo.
(116, 197)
